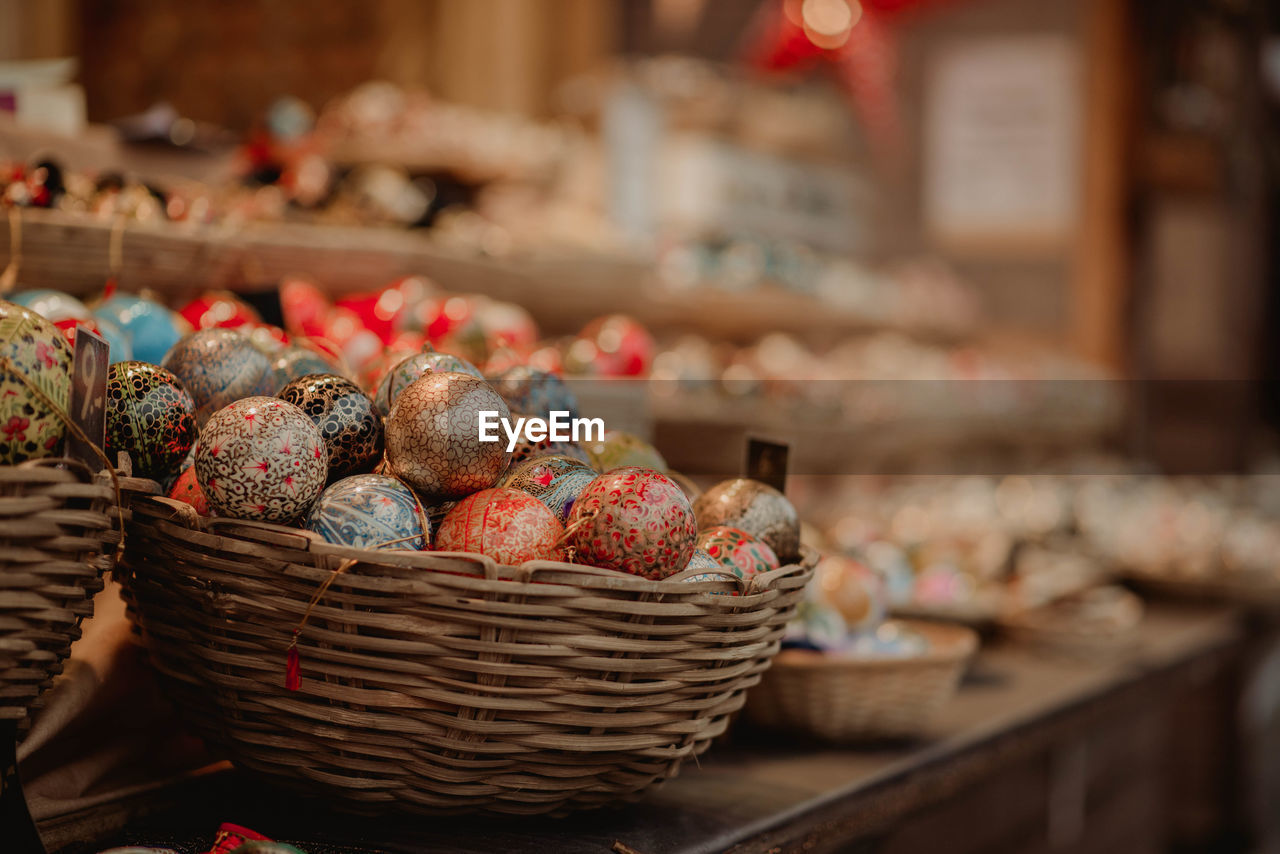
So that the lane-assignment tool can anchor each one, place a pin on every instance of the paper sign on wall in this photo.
(1003, 141)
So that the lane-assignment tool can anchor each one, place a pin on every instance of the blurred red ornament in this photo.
(612, 346)
(219, 308)
(69, 325)
(507, 325)
(304, 305)
(407, 340)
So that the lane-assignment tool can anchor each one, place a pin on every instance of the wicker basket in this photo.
(58, 530)
(441, 682)
(859, 699)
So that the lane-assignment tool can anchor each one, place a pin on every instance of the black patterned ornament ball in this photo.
(151, 417)
(351, 427)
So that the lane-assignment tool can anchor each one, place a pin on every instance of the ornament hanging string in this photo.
(9, 368)
(293, 663)
(571, 552)
(9, 278)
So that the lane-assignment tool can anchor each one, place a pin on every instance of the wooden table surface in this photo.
(758, 793)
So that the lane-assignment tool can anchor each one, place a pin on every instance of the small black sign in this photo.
(767, 462)
(89, 396)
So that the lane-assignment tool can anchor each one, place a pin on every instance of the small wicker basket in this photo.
(844, 699)
(58, 532)
(441, 682)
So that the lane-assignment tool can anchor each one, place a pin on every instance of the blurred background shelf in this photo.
(561, 290)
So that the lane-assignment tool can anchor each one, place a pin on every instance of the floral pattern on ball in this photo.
(408, 371)
(218, 367)
(756, 508)
(370, 511)
(507, 525)
(150, 417)
(433, 437)
(737, 551)
(714, 571)
(37, 350)
(556, 481)
(351, 429)
(635, 520)
(261, 458)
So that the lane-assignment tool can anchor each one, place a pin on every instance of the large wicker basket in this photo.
(58, 532)
(843, 699)
(442, 682)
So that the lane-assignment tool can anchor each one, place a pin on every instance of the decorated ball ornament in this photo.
(351, 429)
(556, 481)
(618, 449)
(737, 551)
(35, 354)
(709, 569)
(218, 367)
(261, 458)
(370, 511)
(854, 589)
(635, 520)
(612, 346)
(433, 437)
(527, 389)
(150, 417)
(527, 447)
(219, 309)
(151, 328)
(756, 508)
(507, 525)
(187, 488)
(293, 362)
(406, 372)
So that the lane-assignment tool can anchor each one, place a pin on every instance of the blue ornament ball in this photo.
(370, 511)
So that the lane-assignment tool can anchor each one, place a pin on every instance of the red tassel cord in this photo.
(293, 669)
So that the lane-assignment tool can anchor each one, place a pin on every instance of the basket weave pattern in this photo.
(57, 536)
(852, 699)
(436, 682)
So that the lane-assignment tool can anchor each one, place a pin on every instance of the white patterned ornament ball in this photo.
(261, 458)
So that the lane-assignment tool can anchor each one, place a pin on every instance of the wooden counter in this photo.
(1035, 754)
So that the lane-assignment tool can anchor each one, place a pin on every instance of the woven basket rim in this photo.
(467, 563)
(948, 643)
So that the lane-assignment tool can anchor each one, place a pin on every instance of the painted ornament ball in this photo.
(527, 447)
(261, 458)
(528, 389)
(187, 488)
(756, 508)
(737, 551)
(710, 568)
(218, 367)
(407, 371)
(37, 352)
(556, 481)
(150, 417)
(635, 520)
(370, 511)
(507, 525)
(294, 362)
(433, 437)
(351, 429)
(618, 449)
(151, 328)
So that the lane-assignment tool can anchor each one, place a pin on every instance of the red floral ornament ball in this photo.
(507, 525)
(737, 551)
(636, 520)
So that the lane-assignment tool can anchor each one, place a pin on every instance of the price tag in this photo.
(767, 462)
(89, 396)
